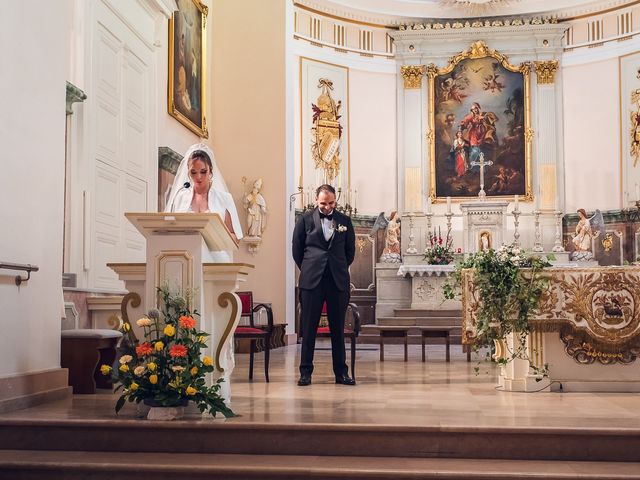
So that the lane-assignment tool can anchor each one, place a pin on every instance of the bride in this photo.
(199, 187)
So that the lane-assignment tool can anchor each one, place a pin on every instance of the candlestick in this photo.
(448, 204)
(557, 247)
(411, 248)
(537, 246)
(637, 191)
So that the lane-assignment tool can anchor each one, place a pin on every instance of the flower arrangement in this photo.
(510, 286)
(166, 369)
(439, 251)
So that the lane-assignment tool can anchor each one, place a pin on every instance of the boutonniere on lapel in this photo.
(341, 228)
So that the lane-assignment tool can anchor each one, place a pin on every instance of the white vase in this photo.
(165, 413)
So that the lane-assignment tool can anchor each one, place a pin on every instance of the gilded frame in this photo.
(186, 90)
(479, 50)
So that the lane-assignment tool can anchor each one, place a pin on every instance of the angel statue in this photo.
(391, 252)
(586, 229)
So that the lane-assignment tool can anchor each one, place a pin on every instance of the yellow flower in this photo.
(207, 361)
(125, 359)
(105, 369)
(153, 379)
(193, 371)
(133, 386)
(126, 327)
(159, 346)
(169, 331)
(151, 366)
(191, 391)
(201, 339)
(124, 368)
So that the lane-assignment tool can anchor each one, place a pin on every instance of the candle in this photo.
(448, 204)
(517, 203)
(429, 204)
(637, 191)
(355, 198)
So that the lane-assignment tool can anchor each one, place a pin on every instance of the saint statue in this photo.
(256, 207)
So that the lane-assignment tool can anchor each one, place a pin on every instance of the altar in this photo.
(587, 331)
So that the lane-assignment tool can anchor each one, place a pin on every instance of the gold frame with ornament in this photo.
(479, 49)
(199, 127)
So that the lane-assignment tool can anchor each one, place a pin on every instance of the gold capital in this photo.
(546, 71)
(412, 75)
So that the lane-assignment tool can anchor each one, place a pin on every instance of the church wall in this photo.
(32, 130)
(372, 121)
(248, 131)
(592, 135)
(372, 128)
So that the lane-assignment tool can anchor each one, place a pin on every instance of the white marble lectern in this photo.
(180, 250)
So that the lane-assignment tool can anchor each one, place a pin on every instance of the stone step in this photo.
(418, 312)
(37, 465)
(107, 436)
(423, 321)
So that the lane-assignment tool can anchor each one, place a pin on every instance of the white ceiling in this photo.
(393, 12)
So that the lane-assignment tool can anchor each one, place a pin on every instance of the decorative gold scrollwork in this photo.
(546, 71)
(134, 298)
(224, 300)
(412, 75)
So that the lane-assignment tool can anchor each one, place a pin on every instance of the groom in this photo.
(323, 248)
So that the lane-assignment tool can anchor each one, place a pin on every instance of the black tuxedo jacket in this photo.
(312, 253)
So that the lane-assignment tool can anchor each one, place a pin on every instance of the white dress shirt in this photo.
(327, 227)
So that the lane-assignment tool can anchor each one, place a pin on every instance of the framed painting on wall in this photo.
(187, 79)
(479, 111)
(324, 126)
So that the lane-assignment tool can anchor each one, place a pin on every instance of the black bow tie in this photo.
(328, 217)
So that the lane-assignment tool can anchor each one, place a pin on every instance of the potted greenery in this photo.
(509, 286)
(167, 370)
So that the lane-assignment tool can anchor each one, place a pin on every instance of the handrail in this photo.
(27, 267)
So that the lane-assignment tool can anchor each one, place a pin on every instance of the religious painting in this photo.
(479, 126)
(324, 118)
(630, 122)
(187, 39)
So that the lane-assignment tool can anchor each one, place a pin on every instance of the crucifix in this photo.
(481, 163)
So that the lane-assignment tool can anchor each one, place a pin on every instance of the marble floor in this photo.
(431, 394)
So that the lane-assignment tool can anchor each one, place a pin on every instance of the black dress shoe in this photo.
(345, 380)
(304, 380)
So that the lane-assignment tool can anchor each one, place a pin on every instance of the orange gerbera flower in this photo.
(144, 349)
(187, 322)
(178, 351)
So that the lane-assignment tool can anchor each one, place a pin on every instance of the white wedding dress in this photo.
(220, 200)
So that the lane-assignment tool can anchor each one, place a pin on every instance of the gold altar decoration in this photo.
(479, 50)
(595, 310)
(546, 71)
(412, 75)
(326, 131)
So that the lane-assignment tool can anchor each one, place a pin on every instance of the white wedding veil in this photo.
(182, 175)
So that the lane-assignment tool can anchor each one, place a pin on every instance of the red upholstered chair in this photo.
(253, 331)
(351, 330)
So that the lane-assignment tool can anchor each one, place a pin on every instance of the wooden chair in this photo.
(255, 332)
(351, 330)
